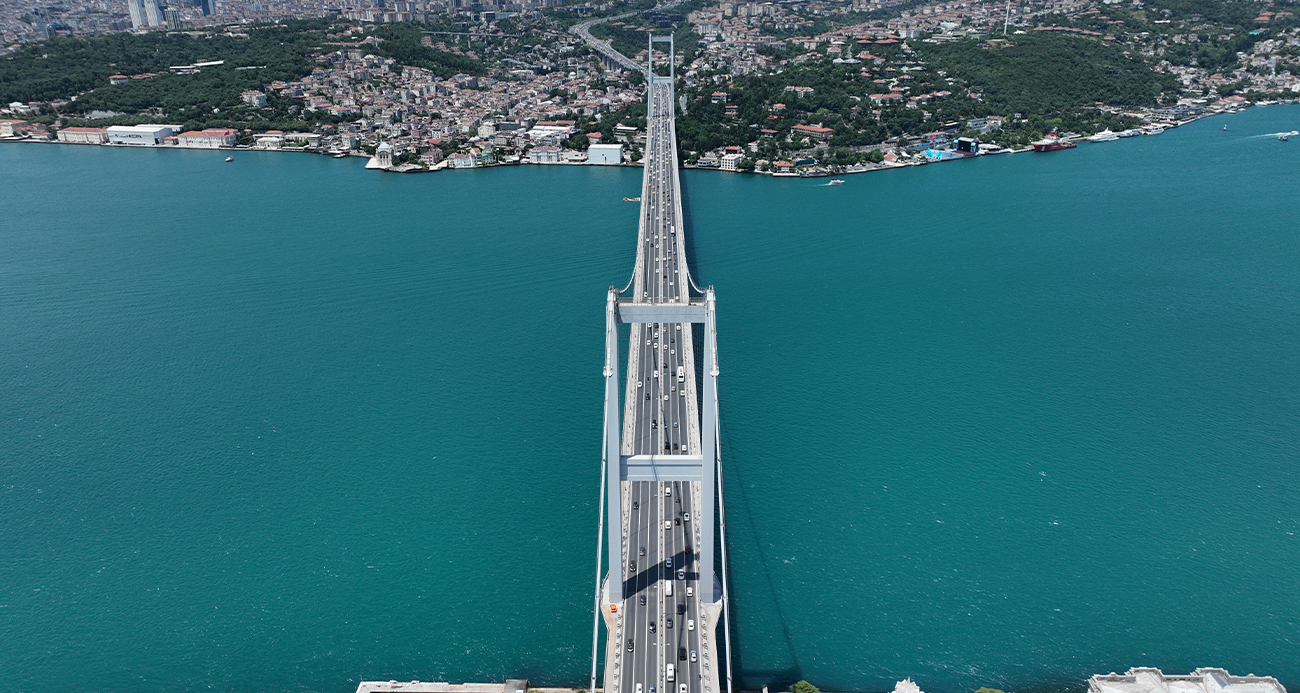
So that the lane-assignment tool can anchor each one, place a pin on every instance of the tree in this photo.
(803, 687)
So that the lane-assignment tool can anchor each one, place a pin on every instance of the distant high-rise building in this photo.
(144, 13)
(136, 8)
(153, 13)
(173, 16)
(209, 7)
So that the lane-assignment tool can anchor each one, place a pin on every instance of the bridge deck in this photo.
(661, 417)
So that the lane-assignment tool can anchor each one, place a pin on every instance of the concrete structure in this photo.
(1204, 680)
(731, 162)
(140, 135)
(253, 98)
(510, 686)
(212, 138)
(605, 154)
(84, 135)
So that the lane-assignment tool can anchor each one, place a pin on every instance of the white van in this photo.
(668, 588)
(670, 672)
(681, 374)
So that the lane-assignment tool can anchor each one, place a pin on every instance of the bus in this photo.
(681, 374)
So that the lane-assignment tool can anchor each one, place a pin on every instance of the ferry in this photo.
(1051, 143)
(836, 181)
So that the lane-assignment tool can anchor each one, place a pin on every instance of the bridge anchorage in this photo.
(661, 598)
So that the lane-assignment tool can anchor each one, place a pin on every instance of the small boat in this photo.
(1131, 132)
(1104, 136)
(340, 155)
(631, 199)
(1284, 137)
(1225, 128)
(1152, 130)
(836, 181)
(230, 158)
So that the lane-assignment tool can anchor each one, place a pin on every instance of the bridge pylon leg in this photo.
(613, 461)
(708, 447)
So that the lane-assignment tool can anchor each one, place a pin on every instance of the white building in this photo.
(605, 154)
(731, 162)
(84, 135)
(1204, 680)
(140, 135)
(545, 154)
(253, 98)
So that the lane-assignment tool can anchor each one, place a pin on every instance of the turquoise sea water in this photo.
(281, 423)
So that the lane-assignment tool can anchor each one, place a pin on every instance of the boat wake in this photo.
(1275, 135)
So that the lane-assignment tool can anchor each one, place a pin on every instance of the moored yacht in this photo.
(1104, 136)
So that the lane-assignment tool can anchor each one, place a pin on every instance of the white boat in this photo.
(836, 181)
(1131, 132)
(1284, 137)
(1104, 136)
(1152, 130)
(230, 158)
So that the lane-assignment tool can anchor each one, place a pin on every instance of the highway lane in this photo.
(661, 411)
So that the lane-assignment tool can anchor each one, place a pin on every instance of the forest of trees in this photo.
(1053, 81)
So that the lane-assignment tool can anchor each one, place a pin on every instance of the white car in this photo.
(668, 525)
(690, 624)
(638, 686)
(692, 659)
(686, 517)
(681, 688)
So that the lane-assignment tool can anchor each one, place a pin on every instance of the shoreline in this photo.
(442, 165)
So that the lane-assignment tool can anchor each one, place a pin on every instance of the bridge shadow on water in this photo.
(769, 673)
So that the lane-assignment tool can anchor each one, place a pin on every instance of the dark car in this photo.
(631, 565)
(681, 609)
(643, 600)
(629, 645)
(681, 651)
(636, 505)
(652, 626)
(642, 548)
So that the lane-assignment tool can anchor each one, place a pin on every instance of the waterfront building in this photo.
(545, 154)
(140, 135)
(271, 139)
(731, 162)
(9, 128)
(84, 135)
(1203, 680)
(605, 154)
(211, 138)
